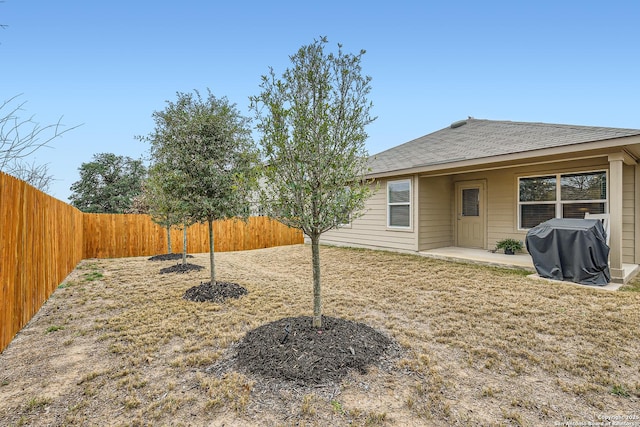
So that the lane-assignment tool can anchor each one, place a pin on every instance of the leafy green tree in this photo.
(108, 184)
(312, 121)
(165, 210)
(209, 159)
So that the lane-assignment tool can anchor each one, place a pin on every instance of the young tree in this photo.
(312, 120)
(209, 158)
(108, 184)
(165, 210)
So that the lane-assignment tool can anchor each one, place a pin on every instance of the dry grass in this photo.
(117, 345)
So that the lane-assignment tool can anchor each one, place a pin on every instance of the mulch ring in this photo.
(218, 293)
(291, 349)
(168, 257)
(181, 268)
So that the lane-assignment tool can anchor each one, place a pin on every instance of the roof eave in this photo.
(512, 157)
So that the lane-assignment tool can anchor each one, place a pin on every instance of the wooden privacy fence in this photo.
(117, 236)
(40, 243)
(42, 239)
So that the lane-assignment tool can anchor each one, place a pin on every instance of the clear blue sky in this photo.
(110, 64)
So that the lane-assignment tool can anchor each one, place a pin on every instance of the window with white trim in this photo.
(343, 220)
(567, 195)
(399, 203)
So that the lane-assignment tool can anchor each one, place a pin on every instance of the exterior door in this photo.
(470, 224)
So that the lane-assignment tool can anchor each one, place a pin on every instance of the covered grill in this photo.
(574, 250)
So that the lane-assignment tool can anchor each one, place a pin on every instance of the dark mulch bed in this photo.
(218, 293)
(181, 268)
(168, 257)
(293, 350)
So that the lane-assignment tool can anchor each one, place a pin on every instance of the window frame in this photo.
(347, 224)
(409, 204)
(559, 202)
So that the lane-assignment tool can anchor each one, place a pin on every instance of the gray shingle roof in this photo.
(477, 139)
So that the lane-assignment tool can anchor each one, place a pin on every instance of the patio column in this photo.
(636, 213)
(615, 216)
(415, 204)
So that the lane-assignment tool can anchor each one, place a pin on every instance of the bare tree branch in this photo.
(3, 26)
(19, 138)
(36, 175)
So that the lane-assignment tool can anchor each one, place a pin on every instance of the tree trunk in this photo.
(317, 299)
(184, 243)
(211, 260)
(169, 239)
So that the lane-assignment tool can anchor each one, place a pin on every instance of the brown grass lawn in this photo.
(117, 345)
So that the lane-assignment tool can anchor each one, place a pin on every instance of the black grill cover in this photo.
(574, 250)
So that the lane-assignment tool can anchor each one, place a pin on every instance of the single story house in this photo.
(477, 182)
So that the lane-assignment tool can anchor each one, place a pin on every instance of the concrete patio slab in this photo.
(521, 261)
(481, 256)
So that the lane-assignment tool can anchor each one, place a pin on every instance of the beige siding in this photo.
(628, 215)
(434, 225)
(502, 193)
(371, 230)
(502, 215)
(436, 213)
